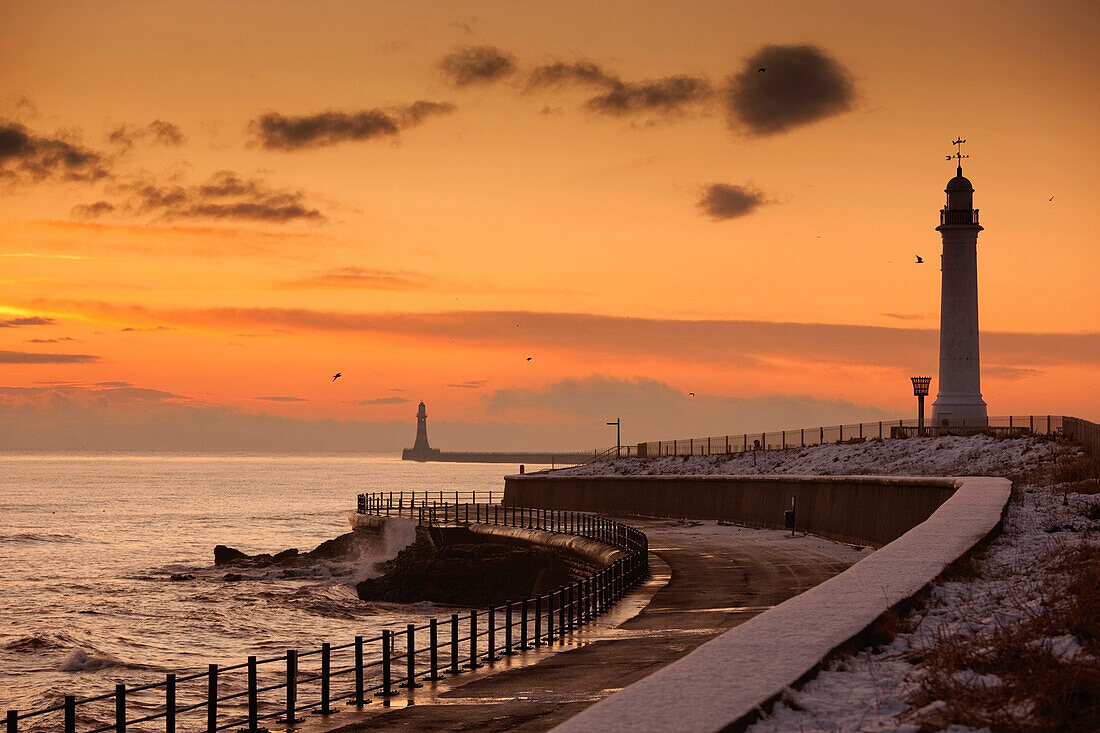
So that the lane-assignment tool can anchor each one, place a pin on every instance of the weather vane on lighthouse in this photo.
(958, 153)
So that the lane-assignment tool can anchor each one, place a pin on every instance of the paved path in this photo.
(707, 579)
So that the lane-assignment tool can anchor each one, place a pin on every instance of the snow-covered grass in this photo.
(979, 455)
(1008, 640)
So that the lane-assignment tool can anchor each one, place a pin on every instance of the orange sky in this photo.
(160, 228)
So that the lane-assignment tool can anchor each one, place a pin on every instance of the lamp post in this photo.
(920, 391)
(618, 441)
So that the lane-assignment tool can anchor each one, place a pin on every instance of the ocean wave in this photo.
(92, 660)
(30, 537)
(37, 643)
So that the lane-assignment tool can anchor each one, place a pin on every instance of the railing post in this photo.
(358, 700)
(523, 625)
(492, 655)
(410, 658)
(549, 618)
(433, 652)
(538, 620)
(387, 678)
(474, 664)
(170, 703)
(13, 721)
(253, 702)
(120, 708)
(290, 716)
(508, 629)
(212, 698)
(326, 678)
(561, 615)
(70, 714)
(454, 645)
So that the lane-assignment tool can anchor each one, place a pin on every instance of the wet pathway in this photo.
(706, 579)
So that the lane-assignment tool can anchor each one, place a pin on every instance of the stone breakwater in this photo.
(468, 571)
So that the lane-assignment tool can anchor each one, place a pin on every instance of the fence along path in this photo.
(283, 688)
(856, 432)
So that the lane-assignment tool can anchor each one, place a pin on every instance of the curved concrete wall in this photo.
(867, 510)
(724, 683)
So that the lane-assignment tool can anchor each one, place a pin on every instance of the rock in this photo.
(178, 577)
(232, 577)
(286, 557)
(227, 555)
(476, 574)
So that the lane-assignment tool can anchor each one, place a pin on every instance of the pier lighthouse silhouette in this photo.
(959, 400)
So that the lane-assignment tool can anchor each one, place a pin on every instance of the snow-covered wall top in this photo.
(725, 681)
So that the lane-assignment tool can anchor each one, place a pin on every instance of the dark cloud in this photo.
(154, 328)
(280, 398)
(225, 196)
(800, 84)
(26, 157)
(360, 278)
(905, 316)
(722, 201)
(477, 65)
(27, 321)
(274, 131)
(382, 401)
(26, 357)
(758, 344)
(51, 341)
(561, 74)
(471, 384)
(157, 132)
(664, 96)
(93, 210)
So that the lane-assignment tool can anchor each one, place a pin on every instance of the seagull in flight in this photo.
(336, 376)
(920, 260)
(762, 69)
(529, 358)
(1050, 199)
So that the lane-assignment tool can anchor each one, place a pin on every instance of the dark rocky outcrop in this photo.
(346, 547)
(470, 574)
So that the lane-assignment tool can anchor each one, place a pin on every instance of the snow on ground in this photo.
(875, 688)
(949, 455)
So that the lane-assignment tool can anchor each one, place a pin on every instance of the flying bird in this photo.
(761, 69)
(920, 260)
(336, 376)
(1050, 199)
(691, 394)
(529, 358)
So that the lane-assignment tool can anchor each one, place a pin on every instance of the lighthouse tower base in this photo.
(959, 411)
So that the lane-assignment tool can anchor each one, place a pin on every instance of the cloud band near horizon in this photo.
(706, 341)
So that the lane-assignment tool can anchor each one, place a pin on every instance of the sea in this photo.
(106, 562)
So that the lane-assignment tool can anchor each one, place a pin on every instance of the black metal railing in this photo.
(958, 216)
(282, 688)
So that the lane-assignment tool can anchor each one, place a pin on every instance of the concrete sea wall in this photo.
(867, 510)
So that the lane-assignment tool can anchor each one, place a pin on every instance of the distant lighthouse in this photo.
(421, 451)
(421, 444)
(959, 400)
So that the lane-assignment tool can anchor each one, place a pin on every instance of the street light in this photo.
(618, 441)
(920, 391)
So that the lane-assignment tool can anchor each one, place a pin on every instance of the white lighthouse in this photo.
(959, 400)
